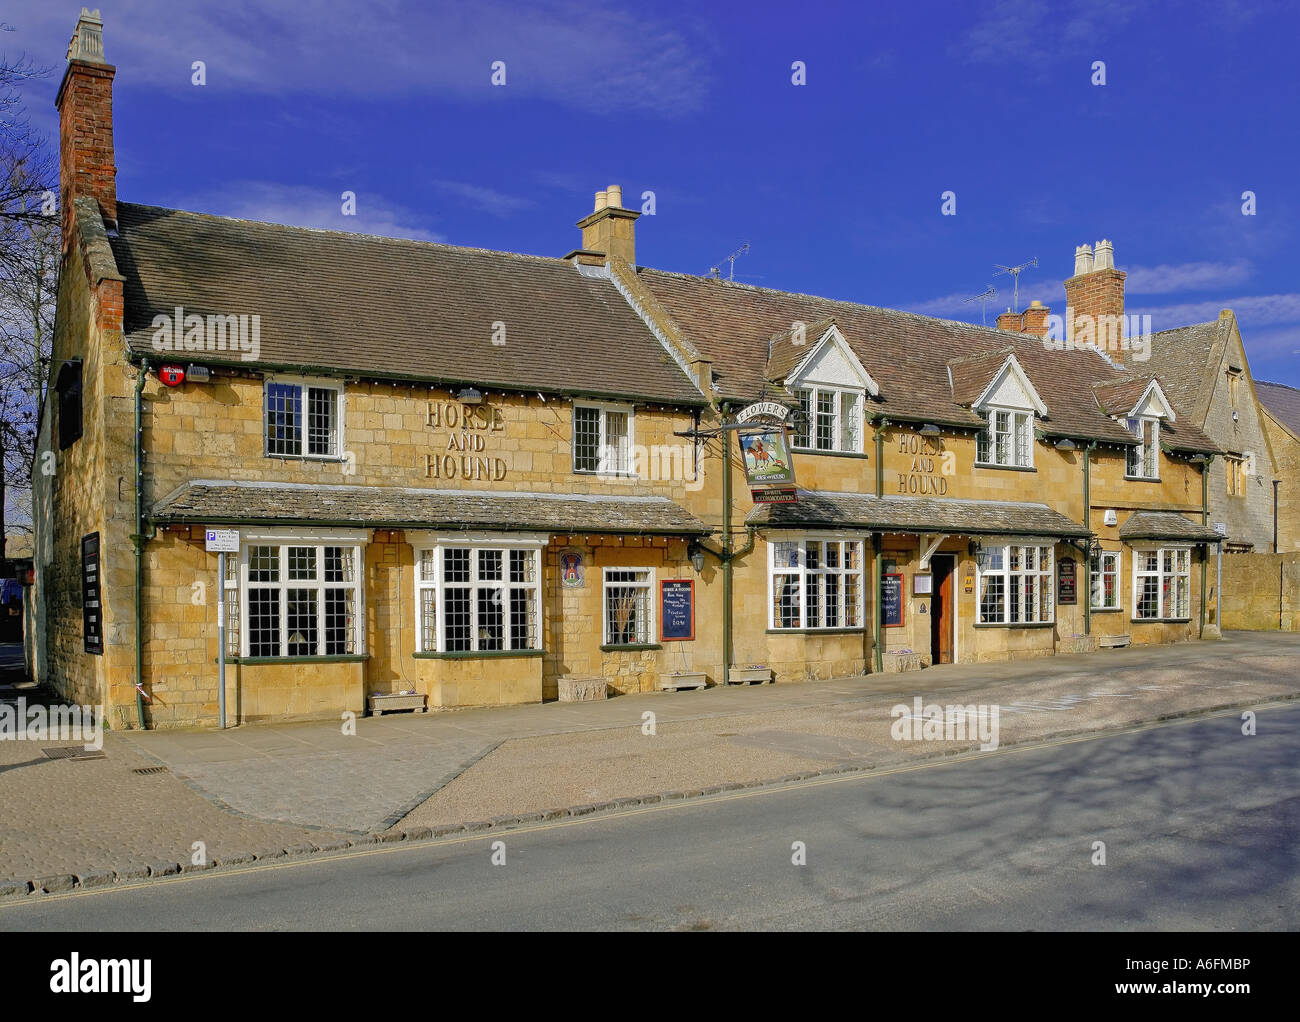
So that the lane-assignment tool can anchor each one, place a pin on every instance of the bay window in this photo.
(815, 583)
(1162, 583)
(1015, 584)
(477, 598)
(299, 599)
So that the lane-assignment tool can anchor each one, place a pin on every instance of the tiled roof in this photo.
(971, 374)
(1282, 402)
(830, 509)
(396, 308)
(787, 351)
(907, 354)
(1165, 525)
(206, 501)
(1179, 359)
(1117, 397)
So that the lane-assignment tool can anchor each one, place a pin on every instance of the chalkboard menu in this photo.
(676, 609)
(891, 599)
(1067, 591)
(92, 616)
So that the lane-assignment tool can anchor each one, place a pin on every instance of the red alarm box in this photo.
(172, 376)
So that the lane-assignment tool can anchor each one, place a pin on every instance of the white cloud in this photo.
(590, 56)
(1166, 279)
(480, 197)
(1255, 309)
(304, 206)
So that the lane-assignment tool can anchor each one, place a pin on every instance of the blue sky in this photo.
(835, 184)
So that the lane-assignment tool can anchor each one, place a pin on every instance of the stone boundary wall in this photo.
(1261, 592)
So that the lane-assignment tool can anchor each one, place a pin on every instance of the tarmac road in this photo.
(1200, 826)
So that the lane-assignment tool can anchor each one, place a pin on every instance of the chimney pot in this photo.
(602, 201)
(1082, 260)
(1105, 256)
(615, 193)
(88, 38)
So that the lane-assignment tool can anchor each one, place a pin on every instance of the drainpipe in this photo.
(1087, 524)
(726, 555)
(1275, 483)
(879, 603)
(139, 540)
(1205, 550)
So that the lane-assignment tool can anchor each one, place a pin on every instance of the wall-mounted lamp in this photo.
(470, 396)
(1065, 444)
(696, 553)
(930, 429)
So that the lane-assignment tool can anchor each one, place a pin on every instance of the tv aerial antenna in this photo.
(983, 299)
(1015, 272)
(716, 271)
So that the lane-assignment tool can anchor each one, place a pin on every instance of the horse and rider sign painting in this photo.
(769, 469)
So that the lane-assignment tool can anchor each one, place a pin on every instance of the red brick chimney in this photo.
(85, 105)
(1032, 321)
(1094, 297)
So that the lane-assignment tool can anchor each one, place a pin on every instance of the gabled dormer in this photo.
(995, 386)
(1139, 404)
(816, 365)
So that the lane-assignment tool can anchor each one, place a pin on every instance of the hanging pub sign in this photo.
(1067, 593)
(765, 450)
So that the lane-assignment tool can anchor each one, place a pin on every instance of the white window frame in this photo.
(808, 441)
(820, 573)
(1018, 445)
(1161, 574)
(239, 591)
(1042, 578)
(604, 451)
(1097, 576)
(651, 634)
(1148, 458)
(437, 546)
(306, 385)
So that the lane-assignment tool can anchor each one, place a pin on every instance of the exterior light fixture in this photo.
(696, 554)
(1065, 444)
(930, 429)
(470, 396)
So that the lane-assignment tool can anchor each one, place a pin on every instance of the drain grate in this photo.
(73, 752)
(149, 770)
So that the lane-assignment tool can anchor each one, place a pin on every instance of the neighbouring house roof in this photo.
(1181, 358)
(1166, 525)
(1282, 402)
(206, 501)
(908, 355)
(392, 308)
(831, 509)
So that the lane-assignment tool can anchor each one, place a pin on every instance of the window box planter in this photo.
(675, 681)
(899, 663)
(381, 704)
(754, 675)
(574, 689)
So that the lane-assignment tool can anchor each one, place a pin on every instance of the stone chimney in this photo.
(1094, 297)
(608, 232)
(85, 105)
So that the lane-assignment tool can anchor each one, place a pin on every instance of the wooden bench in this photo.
(1113, 641)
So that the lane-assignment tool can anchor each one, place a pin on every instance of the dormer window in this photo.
(1144, 457)
(830, 420)
(1007, 440)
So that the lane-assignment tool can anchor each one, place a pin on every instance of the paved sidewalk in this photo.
(311, 774)
(264, 789)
